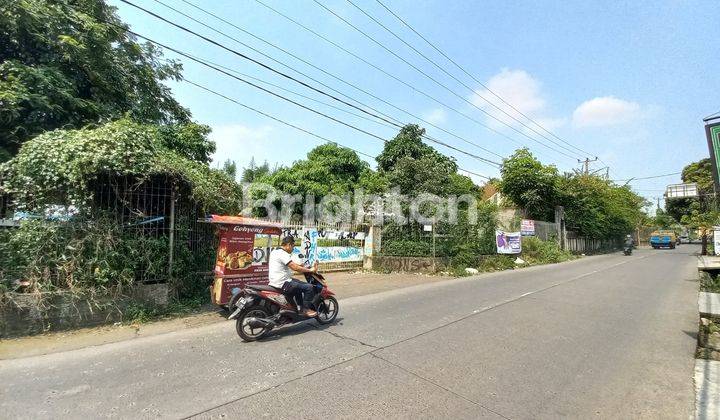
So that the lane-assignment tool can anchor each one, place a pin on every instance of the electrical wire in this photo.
(646, 177)
(207, 64)
(377, 113)
(396, 78)
(338, 78)
(434, 80)
(475, 79)
(311, 133)
(442, 69)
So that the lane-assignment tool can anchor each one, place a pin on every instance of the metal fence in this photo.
(546, 231)
(582, 245)
(156, 218)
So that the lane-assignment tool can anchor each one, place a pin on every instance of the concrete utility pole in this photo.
(586, 164)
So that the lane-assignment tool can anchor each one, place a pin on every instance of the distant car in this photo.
(683, 239)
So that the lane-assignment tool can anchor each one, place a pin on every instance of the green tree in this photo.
(70, 63)
(329, 168)
(699, 172)
(60, 166)
(254, 172)
(415, 167)
(530, 184)
(230, 168)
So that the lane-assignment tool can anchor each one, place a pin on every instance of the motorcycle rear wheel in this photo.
(244, 330)
(327, 310)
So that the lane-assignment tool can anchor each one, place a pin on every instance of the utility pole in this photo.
(586, 163)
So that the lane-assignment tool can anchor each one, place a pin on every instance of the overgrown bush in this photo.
(59, 167)
(92, 255)
(537, 251)
(491, 263)
(709, 283)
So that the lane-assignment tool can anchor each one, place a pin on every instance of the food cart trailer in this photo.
(242, 255)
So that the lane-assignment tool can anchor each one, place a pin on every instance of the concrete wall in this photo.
(26, 314)
(407, 264)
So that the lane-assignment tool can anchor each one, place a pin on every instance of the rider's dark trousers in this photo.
(302, 291)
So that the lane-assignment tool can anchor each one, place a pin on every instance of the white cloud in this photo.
(437, 116)
(605, 111)
(523, 92)
(239, 143)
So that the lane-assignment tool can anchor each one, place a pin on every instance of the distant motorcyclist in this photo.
(628, 246)
(629, 243)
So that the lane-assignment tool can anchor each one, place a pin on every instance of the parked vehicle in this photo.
(258, 309)
(663, 239)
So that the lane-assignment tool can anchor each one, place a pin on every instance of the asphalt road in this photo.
(608, 336)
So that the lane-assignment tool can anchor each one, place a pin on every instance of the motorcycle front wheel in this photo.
(245, 331)
(327, 310)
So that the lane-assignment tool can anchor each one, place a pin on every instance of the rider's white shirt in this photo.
(278, 269)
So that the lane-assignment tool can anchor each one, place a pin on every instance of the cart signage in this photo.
(237, 262)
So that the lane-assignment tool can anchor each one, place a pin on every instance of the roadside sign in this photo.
(712, 132)
(508, 242)
(527, 227)
(681, 190)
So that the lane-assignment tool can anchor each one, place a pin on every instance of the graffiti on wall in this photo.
(410, 264)
(325, 254)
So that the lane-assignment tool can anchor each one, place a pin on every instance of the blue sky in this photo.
(627, 81)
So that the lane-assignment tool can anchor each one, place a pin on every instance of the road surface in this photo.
(607, 336)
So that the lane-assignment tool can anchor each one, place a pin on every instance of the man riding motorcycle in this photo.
(629, 245)
(280, 270)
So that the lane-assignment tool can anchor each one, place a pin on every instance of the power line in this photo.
(207, 64)
(475, 79)
(438, 82)
(646, 177)
(711, 116)
(442, 69)
(339, 78)
(274, 118)
(377, 114)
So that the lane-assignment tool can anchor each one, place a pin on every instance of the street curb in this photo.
(707, 389)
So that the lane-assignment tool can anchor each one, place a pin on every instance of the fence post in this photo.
(171, 235)
(433, 245)
(560, 226)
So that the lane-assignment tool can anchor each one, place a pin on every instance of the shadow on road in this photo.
(300, 328)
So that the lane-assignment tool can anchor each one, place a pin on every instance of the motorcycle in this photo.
(260, 308)
(627, 250)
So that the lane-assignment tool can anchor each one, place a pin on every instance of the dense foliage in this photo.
(328, 169)
(594, 207)
(699, 172)
(59, 167)
(530, 184)
(413, 166)
(97, 255)
(70, 63)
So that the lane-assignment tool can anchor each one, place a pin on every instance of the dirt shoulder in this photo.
(345, 285)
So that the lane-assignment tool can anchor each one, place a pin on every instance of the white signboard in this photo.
(681, 190)
(716, 240)
(527, 227)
